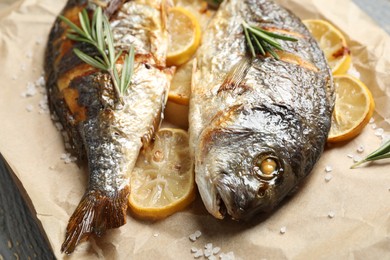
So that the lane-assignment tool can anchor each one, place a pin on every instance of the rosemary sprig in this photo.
(382, 152)
(99, 34)
(261, 41)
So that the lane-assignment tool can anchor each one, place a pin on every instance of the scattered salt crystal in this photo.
(331, 214)
(328, 177)
(379, 132)
(357, 158)
(208, 250)
(194, 250)
(29, 108)
(198, 253)
(198, 233)
(192, 237)
(212, 257)
(40, 82)
(350, 155)
(208, 246)
(372, 120)
(216, 250)
(31, 90)
(328, 168)
(67, 160)
(63, 156)
(227, 256)
(373, 126)
(155, 234)
(43, 104)
(360, 149)
(283, 230)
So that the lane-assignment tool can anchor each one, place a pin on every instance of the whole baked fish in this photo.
(104, 133)
(257, 125)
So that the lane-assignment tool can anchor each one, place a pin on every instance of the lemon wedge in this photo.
(184, 36)
(333, 44)
(162, 181)
(353, 108)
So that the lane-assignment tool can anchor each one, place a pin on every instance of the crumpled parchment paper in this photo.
(346, 217)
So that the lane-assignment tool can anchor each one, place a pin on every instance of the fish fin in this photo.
(149, 135)
(95, 213)
(236, 76)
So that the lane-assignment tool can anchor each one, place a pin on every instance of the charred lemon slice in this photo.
(184, 36)
(162, 181)
(353, 108)
(333, 44)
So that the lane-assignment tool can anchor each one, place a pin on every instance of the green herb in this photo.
(382, 152)
(99, 34)
(261, 41)
(214, 3)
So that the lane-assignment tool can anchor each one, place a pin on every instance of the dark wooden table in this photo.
(21, 237)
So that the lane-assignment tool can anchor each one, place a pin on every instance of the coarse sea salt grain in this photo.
(379, 132)
(156, 234)
(227, 256)
(356, 158)
(373, 126)
(29, 108)
(198, 253)
(31, 90)
(283, 230)
(328, 168)
(372, 120)
(212, 257)
(360, 149)
(331, 214)
(350, 155)
(328, 177)
(194, 249)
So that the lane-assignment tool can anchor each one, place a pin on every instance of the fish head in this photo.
(249, 161)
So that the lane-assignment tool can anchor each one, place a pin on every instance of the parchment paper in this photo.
(347, 217)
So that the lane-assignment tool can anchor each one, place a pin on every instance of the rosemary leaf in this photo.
(265, 41)
(72, 25)
(259, 46)
(84, 25)
(76, 38)
(89, 60)
(99, 29)
(249, 41)
(109, 40)
(383, 152)
(275, 35)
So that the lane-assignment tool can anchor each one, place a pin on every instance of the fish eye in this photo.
(267, 167)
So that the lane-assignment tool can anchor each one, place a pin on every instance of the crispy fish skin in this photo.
(105, 134)
(245, 112)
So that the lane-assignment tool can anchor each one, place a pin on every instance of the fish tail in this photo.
(95, 213)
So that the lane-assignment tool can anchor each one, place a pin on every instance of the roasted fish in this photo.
(107, 134)
(257, 125)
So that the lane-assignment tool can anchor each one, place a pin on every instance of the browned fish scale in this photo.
(257, 125)
(102, 132)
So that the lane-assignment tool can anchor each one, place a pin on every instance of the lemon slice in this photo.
(180, 89)
(333, 44)
(353, 108)
(162, 181)
(184, 36)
